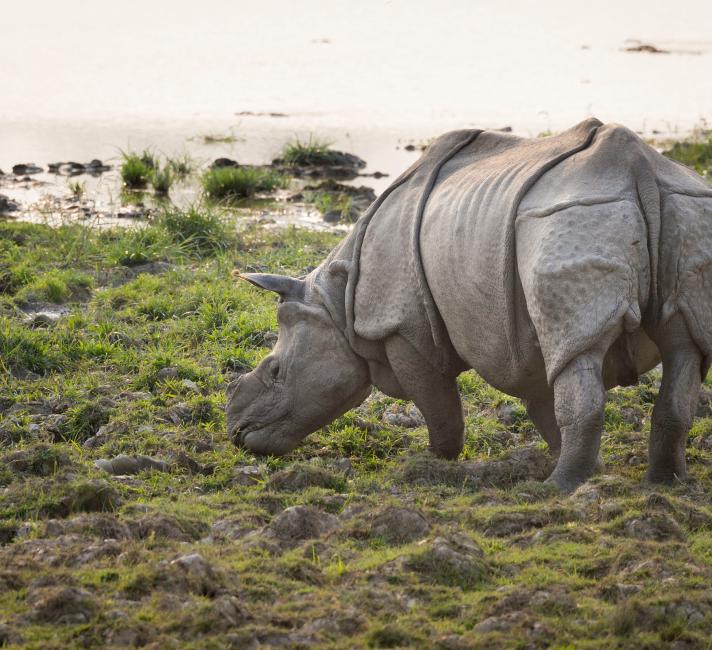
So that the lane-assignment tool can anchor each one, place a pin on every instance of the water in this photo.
(82, 79)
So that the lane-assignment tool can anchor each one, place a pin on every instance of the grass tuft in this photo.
(311, 152)
(229, 183)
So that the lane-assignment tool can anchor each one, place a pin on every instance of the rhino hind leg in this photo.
(683, 365)
(579, 401)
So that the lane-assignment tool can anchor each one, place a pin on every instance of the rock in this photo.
(704, 403)
(123, 464)
(507, 414)
(180, 413)
(452, 559)
(619, 591)
(8, 205)
(25, 169)
(225, 613)
(167, 373)
(8, 636)
(163, 526)
(95, 495)
(190, 385)
(400, 525)
(191, 573)
(219, 163)
(298, 523)
(229, 530)
(656, 527)
(408, 419)
(301, 476)
(333, 216)
(504, 524)
(61, 605)
(247, 475)
(181, 459)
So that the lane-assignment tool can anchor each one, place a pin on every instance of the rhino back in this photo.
(468, 248)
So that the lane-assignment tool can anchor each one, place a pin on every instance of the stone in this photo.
(656, 527)
(8, 205)
(298, 523)
(61, 605)
(400, 525)
(123, 464)
(247, 475)
(26, 169)
(167, 373)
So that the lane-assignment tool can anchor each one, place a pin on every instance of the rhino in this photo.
(555, 267)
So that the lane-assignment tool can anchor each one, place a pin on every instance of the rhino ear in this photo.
(288, 288)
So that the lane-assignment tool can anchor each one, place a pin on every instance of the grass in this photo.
(695, 152)
(162, 180)
(182, 165)
(143, 359)
(137, 169)
(77, 189)
(327, 202)
(310, 152)
(230, 183)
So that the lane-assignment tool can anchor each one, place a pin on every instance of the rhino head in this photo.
(311, 377)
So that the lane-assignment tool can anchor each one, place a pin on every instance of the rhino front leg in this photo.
(675, 405)
(435, 394)
(541, 412)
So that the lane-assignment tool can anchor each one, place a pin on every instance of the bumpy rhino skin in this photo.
(555, 267)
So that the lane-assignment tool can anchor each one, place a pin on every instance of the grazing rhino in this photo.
(555, 267)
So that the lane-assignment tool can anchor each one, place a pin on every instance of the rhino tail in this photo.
(649, 198)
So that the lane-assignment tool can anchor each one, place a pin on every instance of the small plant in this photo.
(695, 152)
(135, 173)
(311, 152)
(240, 182)
(327, 202)
(201, 232)
(182, 166)
(77, 189)
(162, 179)
(218, 138)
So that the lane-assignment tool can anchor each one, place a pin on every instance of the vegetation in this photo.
(311, 152)
(695, 152)
(77, 189)
(162, 180)
(137, 169)
(182, 166)
(403, 550)
(340, 203)
(230, 183)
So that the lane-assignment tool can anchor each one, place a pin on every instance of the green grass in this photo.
(194, 229)
(162, 180)
(136, 170)
(341, 203)
(696, 152)
(230, 183)
(310, 152)
(182, 165)
(144, 357)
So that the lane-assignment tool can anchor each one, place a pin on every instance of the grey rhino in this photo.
(555, 267)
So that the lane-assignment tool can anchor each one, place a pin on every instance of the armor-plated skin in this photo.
(555, 267)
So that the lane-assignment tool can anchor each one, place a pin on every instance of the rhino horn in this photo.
(288, 288)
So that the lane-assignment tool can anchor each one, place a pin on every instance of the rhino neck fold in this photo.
(404, 223)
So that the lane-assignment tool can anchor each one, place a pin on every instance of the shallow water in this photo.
(83, 80)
